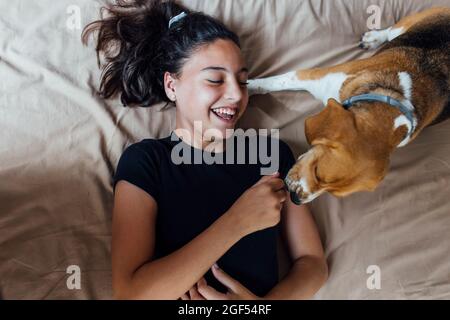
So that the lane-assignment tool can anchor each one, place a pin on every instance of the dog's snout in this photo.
(293, 194)
(295, 198)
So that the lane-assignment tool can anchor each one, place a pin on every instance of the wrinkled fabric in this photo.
(60, 144)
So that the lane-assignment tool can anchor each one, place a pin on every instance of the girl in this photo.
(172, 222)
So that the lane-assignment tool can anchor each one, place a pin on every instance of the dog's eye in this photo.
(324, 180)
(316, 175)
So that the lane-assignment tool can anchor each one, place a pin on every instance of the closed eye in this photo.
(325, 181)
(220, 82)
(212, 81)
(316, 175)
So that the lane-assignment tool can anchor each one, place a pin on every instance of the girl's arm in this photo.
(309, 270)
(136, 276)
(133, 243)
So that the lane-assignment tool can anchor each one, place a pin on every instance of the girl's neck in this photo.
(199, 141)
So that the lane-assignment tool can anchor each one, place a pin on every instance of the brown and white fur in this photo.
(351, 148)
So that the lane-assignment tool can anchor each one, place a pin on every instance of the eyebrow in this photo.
(223, 69)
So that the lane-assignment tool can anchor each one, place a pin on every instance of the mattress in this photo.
(60, 144)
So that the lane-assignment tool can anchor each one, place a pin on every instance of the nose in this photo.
(233, 91)
(295, 198)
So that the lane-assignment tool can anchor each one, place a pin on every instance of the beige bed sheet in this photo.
(60, 144)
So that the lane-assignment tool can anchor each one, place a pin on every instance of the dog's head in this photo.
(344, 157)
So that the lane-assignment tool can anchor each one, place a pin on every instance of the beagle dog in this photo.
(373, 105)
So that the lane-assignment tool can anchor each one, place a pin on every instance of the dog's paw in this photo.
(374, 39)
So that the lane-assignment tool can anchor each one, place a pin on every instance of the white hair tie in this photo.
(177, 18)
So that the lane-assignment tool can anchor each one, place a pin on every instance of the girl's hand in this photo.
(236, 291)
(259, 207)
(193, 293)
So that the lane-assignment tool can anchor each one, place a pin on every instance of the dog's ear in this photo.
(331, 124)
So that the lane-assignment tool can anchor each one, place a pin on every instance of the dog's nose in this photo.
(295, 198)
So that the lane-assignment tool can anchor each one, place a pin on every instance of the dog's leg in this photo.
(323, 88)
(374, 39)
(322, 83)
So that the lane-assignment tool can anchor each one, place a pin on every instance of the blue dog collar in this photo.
(404, 109)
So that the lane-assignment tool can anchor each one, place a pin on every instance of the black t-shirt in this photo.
(191, 197)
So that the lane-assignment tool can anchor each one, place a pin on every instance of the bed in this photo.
(60, 144)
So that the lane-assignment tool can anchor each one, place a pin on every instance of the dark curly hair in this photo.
(138, 46)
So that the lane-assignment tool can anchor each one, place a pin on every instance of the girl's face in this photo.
(211, 89)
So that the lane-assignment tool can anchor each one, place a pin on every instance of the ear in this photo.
(331, 124)
(169, 86)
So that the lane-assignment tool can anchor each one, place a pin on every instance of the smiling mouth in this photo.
(226, 114)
